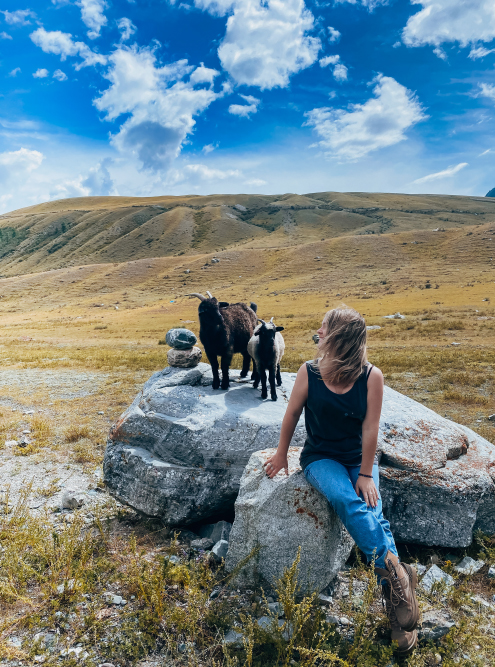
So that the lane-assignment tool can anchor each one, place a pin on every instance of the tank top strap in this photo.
(369, 371)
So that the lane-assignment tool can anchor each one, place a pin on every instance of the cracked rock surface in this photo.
(180, 449)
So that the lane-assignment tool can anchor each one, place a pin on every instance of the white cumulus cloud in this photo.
(62, 44)
(245, 110)
(339, 69)
(446, 173)
(18, 17)
(381, 121)
(206, 173)
(369, 4)
(15, 71)
(442, 21)
(5, 35)
(487, 90)
(15, 164)
(160, 102)
(93, 16)
(333, 34)
(59, 75)
(99, 182)
(127, 29)
(41, 74)
(266, 41)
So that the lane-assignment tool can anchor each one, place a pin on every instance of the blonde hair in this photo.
(343, 352)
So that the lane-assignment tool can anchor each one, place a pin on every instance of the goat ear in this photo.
(223, 304)
(279, 328)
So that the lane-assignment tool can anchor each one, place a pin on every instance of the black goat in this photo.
(267, 347)
(225, 329)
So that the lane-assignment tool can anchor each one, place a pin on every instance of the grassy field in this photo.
(96, 329)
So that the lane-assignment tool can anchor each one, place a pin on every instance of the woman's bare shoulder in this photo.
(375, 376)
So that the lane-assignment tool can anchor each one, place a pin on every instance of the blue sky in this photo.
(148, 97)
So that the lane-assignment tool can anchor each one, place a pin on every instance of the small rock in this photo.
(189, 358)
(325, 599)
(26, 431)
(435, 625)
(233, 638)
(214, 260)
(175, 560)
(216, 531)
(202, 544)
(373, 327)
(469, 565)
(395, 316)
(332, 619)
(343, 620)
(72, 499)
(29, 412)
(11, 443)
(276, 608)
(24, 441)
(420, 569)
(181, 339)
(67, 586)
(434, 575)
(491, 572)
(437, 659)
(187, 271)
(101, 412)
(454, 343)
(480, 601)
(111, 598)
(182, 648)
(220, 549)
(106, 664)
(214, 594)
(491, 418)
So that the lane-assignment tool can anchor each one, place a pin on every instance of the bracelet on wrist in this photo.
(363, 475)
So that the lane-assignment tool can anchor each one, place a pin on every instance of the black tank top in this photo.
(334, 422)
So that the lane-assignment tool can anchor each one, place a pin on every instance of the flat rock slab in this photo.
(180, 449)
(278, 516)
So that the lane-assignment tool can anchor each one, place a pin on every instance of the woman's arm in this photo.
(297, 401)
(371, 423)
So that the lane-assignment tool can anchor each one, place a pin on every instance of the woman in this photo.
(342, 396)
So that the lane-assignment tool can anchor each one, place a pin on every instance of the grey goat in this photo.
(267, 347)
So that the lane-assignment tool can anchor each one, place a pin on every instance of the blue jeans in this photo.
(366, 525)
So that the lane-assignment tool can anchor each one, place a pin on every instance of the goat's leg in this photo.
(255, 376)
(225, 363)
(264, 393)
(278, 376)
(214, 369)
(271, 377)
(246, 360)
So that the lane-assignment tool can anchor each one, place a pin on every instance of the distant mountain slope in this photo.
(94, 230)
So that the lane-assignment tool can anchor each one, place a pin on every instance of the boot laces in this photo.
(396, 589)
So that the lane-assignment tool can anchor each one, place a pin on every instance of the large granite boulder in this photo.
(178, 452)
(180, 449)
(279, 516)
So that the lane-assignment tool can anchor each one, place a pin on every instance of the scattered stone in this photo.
(437, 658)
(491, 572)
(111, 598)
(101, 412)
(435, 624)
(492, 418)
(216, 531)
(240, 207)
(181, 339)
(372, 327)
(233, 638)
(214, 594)
(202, 544)
(175, 560)
(480, 601)
(420, 569)
(436, 575)
(184, 358)
(66, 587)
(343, 620)
(334, 620)
(280, 515)
(106, 664)
(325, 599)
(469, 565)
(11, 443)
(72, 499)
(24, 441)
(395, 316)
(220, 549)
(454, 343)
(276, 608)
(215, 260)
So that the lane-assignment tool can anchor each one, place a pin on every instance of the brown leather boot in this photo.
(406, 640)
(402, 579)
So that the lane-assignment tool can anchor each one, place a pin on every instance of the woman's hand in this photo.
(275, 463)
(367, 489)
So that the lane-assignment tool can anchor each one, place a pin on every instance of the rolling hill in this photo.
(97, 230)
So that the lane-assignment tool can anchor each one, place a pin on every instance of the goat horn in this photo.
(200, 296)
(209, 294)
(261, 321)
(271, 321)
